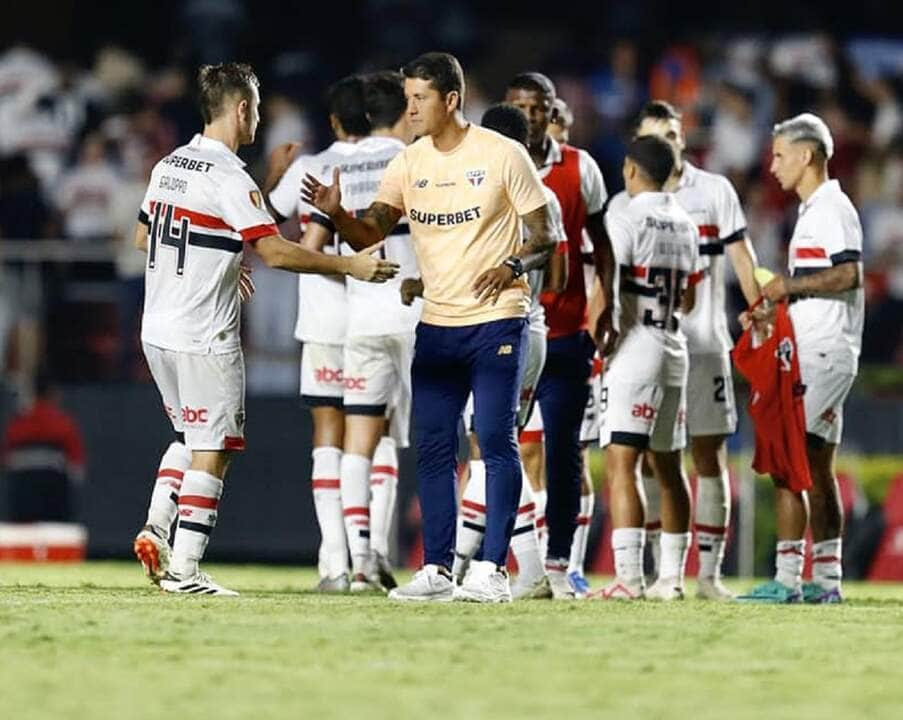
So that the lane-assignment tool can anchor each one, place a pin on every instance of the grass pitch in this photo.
(94, 641)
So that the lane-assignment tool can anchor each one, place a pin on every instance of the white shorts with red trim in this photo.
(642, 415)
(377, 380)
(828, 383)
(322, 374)
(711, 408)
(203, 395)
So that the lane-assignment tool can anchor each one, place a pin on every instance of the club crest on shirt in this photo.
(256, 200)
(475, 177)
(785, 354)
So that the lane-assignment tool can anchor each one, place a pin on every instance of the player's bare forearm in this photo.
(363, 232)
(557, 276)
(603, 255)
(743, 258)
(688, 301)
(141, 236)
(539, 246)
(316, 237)
(845, 276)
(279, 253)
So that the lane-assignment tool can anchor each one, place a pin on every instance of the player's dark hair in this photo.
(442, 70)
(345, 100)
(508, 121)
(384, 99)
(657, 110)
(533, 82)
(217, 82)
(654, 156)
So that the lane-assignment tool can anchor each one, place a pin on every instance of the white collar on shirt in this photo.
(205, 143)
(687, 175)
(828, 186)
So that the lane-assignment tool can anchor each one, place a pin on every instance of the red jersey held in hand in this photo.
(776, 402)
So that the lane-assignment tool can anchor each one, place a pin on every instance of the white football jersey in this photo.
(536, 278)
(655, 245)
(376, 308)
(828, 233)
(200, 207)
(712, 203)
(322, 303)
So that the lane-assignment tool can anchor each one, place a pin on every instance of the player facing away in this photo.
(466, 191)
(532, 581)
(322, 323)
(827, 310)
(200, 210)
(712, 202)
(563, 391)
(644, 384)
(379, 347)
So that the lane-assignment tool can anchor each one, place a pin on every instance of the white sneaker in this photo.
(427, 585)
(560, 585)
(712, 589)
(153, 552)
(198, 584)
(485, 582)
(524, 588)
(333, 585)
(620, 589)
(665, 589)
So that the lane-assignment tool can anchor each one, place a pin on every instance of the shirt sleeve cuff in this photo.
(258, 231)
(143, 218)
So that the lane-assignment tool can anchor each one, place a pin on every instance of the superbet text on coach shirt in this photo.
(201, 207)
(827, 233)
(464, 208)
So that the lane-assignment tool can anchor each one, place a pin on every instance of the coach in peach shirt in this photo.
(466, 191)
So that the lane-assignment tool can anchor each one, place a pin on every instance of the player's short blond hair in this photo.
(807, 127)
(217, 82)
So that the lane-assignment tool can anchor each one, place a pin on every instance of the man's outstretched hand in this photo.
(366, 266)
(325, 198)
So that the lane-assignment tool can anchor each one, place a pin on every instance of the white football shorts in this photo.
(322, 374)
(711, 407)
(203, 395)
(827, 385)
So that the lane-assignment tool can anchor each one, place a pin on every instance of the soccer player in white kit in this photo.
(379, 347)
(200, 210)
(712, 202)
(827, 311)
(644, 384)
(321, 326)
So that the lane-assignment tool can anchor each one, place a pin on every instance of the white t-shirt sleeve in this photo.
(286, 196)
(839, 232)
(730, 218)
(242, 207)
(622, 238)
(592, 186)
(556, 224)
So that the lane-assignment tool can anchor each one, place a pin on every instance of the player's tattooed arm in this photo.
(539, 245)
(845, 276)
(360, 233)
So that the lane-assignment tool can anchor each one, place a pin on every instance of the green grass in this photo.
(93, 641)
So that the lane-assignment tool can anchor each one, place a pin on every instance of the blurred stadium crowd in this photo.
(77, 145)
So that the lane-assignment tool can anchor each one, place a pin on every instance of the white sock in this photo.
(789, 562)
(581, 533)
(164, 502)
(383, 491)
(674, 555)
(653, 520)
(827, 570)
(326, 485)
(198, 504)
(472, 516)
(713, 512)
(627, 544)
(356, 509)
(540, 497)
(524, 544)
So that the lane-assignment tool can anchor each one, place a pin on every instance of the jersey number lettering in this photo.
(163, 231)
(667, 282)
(719, 388)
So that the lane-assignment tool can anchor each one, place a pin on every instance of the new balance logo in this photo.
(505, 350)
(422, 183)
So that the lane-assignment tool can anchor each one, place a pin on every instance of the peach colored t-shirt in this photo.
(464, 207)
